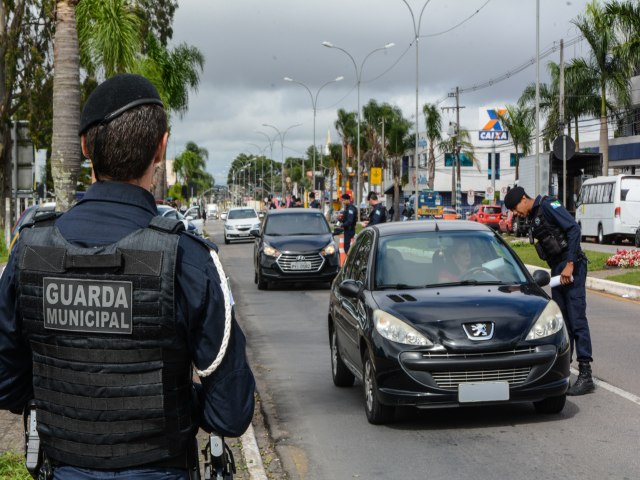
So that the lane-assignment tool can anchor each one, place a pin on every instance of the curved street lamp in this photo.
(282, 135)
(314, 104)
(270, 140)
(261, 150)
(358, 81)
(416, 32)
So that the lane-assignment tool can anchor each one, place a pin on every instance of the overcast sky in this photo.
(250, 45)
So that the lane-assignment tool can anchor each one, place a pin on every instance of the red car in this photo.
(506, 222)
(487, 214)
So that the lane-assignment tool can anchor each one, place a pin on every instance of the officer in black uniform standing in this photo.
(378, 213)
(349, 219)
(106, 309)
(313, 203)
(558, 243)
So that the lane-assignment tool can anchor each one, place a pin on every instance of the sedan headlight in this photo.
(549, 322)
(256, 226)
(228, 227)
(396, 330)
(329, 249)
(269, 251)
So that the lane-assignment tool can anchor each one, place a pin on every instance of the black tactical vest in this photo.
(111, 378)
(552, 241)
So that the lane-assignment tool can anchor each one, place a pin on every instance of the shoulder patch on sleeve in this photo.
(555, 204)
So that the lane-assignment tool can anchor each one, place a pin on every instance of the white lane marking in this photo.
(618, 391)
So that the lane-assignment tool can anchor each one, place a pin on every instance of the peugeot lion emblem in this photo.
(479, 330)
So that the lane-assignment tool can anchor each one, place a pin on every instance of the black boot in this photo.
(584, 383)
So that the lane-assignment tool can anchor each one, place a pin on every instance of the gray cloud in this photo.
(250, 45)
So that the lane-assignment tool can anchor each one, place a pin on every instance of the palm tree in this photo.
(65, 145)
(612, 69)
(456, 144)
(518, 121)
(191, 163)
(397, 142)
(433, 122)
(109, 36)
(347, 127)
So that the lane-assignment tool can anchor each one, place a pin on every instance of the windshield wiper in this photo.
(398, 286)
(469, 282)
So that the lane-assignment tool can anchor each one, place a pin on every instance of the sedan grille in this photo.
(451, 380)
(300, 263)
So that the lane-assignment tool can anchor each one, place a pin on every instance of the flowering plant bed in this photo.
(625, 258)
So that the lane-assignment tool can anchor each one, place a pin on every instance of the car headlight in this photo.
(269, 251)
(256, 226)
(549, 322)
(228, 227)
(329, 249)
(396, 330)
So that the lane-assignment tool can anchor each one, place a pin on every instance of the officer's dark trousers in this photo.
(572, 300)
(348, 236)
(71, 473)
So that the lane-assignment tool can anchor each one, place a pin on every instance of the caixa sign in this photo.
(493, 135)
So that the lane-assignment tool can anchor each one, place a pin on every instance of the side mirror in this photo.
(254, 233)
(349, 288)
(541, 277)
(338, 231)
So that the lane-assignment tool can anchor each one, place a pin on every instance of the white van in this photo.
(608, 208)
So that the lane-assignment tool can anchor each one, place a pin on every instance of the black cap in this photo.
(345, 196)
(115, 96)
(513, 197)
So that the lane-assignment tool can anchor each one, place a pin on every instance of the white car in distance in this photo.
(239, 222)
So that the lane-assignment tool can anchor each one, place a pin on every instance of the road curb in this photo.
(251, 454)
(601, 285)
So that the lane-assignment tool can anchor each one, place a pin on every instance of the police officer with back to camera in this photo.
(349, 220)
(558, 243)
(378, 212)
(104, 310)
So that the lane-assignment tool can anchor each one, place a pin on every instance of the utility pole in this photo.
(456, 191)
(561, 126)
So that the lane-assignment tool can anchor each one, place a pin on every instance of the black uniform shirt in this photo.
(108, 212)
(556, 214)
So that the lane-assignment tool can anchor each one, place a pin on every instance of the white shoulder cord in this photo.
(227, 318)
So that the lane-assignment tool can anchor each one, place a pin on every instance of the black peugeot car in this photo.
(294, 245)
(440, 314)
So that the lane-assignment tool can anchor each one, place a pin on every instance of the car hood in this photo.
(242, 221)
(440, 313)
(298, 243)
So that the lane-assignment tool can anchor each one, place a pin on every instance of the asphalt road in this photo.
(321, 431)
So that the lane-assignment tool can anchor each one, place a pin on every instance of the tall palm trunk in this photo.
(515, 145)
(65, 145)
(431, 168)
(604, 132)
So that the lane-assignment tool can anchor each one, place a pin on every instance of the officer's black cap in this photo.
(115, 96)
(513, 197)
(345, 196)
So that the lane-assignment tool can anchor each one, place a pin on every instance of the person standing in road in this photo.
(106, 310)
(349, 220)
(378, 213)
(313, 203)
(558, 243)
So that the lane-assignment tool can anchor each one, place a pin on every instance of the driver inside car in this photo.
(457, 262)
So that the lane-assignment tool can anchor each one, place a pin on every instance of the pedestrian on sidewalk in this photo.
(104, 310)
(558, 243)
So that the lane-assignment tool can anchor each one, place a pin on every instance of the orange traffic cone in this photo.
(341, 248)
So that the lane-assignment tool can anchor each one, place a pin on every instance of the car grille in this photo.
(451, 380)
(286, 262)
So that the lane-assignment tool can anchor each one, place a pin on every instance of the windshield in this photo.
(242, 214)
(296, 224)
(492, 210)
(427, 259)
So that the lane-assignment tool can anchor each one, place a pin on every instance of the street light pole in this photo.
(314, 104)
(270, 140)
(282, 135)
(416, 32)
(358, 81)
(261, 150)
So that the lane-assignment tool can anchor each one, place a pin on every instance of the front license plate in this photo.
(483, 392)
(301, 266)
